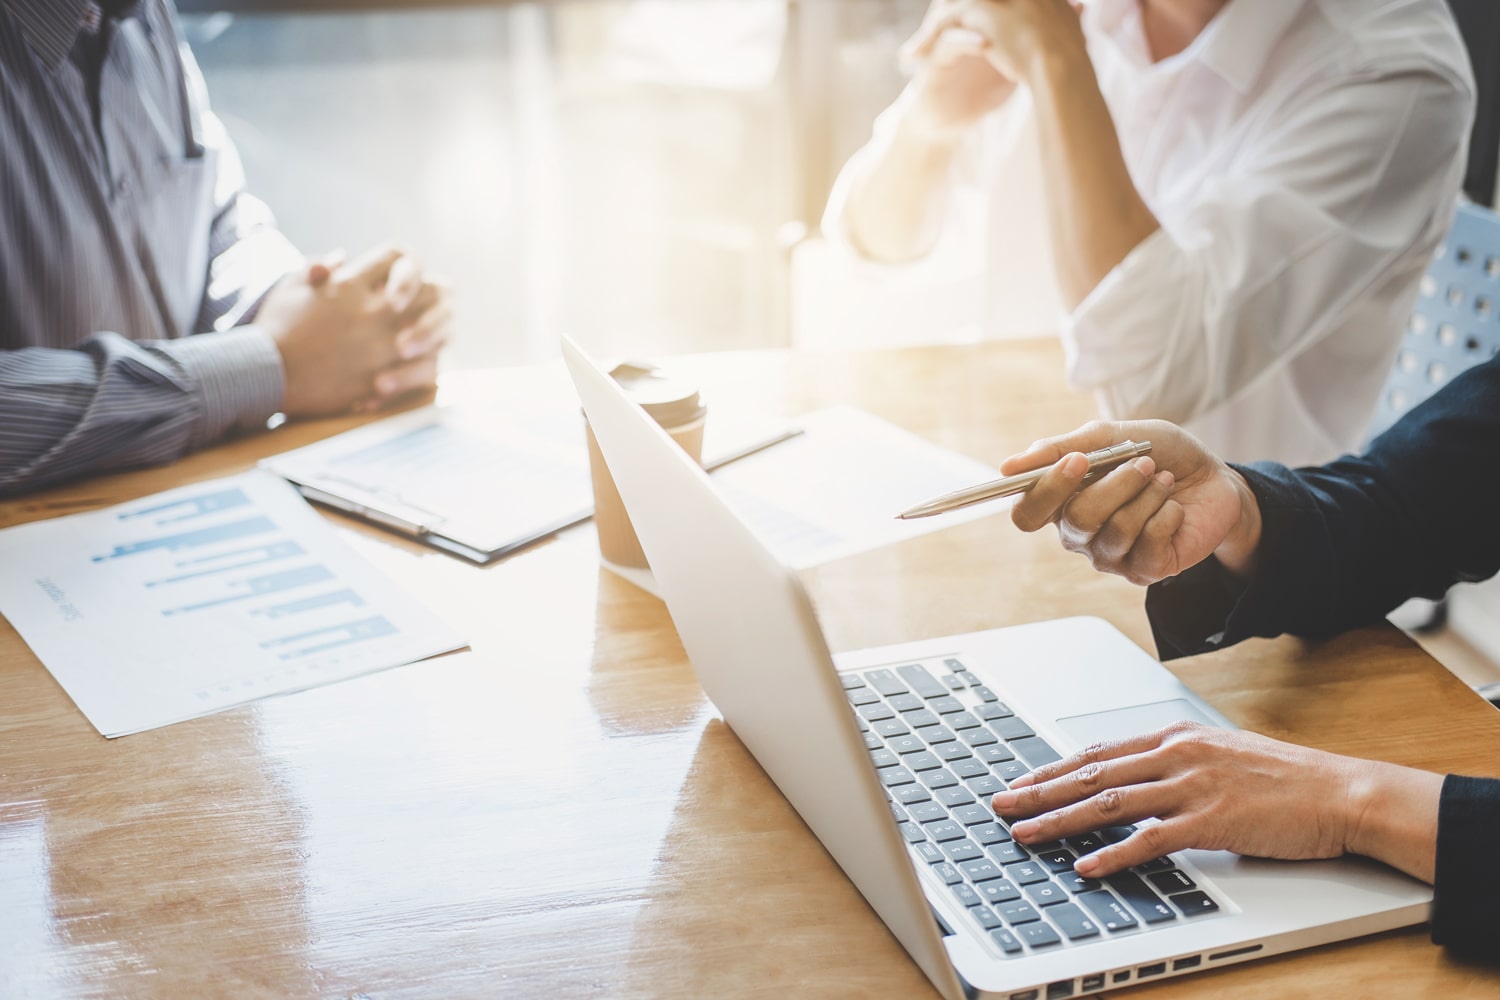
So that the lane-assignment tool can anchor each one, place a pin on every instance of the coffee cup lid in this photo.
(671, 402)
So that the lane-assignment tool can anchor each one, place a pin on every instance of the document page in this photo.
(202, 598)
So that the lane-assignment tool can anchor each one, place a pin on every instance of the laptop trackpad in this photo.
(1119, 723)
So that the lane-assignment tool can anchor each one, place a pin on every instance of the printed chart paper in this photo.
(202, 598)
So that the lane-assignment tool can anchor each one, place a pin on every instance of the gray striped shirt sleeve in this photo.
(111, 403)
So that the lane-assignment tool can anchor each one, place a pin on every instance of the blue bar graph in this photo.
(340, 635)
(190, 539)
(208, 503)
(269, 553)
(269, 584)
(311, 604)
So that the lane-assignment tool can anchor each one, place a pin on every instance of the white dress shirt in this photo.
(1303, 158)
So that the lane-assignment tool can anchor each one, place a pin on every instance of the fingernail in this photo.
(1075, 465)
(1023, 781)
(1166, 478)
(1084, 865)
(1025, 829)
(1145, 466)
(1004, 800)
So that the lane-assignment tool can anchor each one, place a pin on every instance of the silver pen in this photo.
(1100, 462)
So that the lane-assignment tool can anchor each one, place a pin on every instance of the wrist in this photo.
(1237, 552)
(1057, 62)
(1392, 816)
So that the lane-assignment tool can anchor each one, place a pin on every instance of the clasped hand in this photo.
(356, 335)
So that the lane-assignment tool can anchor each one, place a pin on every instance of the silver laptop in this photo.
(890, 756)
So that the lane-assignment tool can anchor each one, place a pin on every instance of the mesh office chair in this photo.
(1456, 321)
(1454, 325)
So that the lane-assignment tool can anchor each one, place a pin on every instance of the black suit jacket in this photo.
(1345, 543)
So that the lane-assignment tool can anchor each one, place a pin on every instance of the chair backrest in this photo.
(1456, 321)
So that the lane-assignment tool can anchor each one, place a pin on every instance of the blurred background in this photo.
(646, 175)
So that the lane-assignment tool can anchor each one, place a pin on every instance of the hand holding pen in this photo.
(1150, 517)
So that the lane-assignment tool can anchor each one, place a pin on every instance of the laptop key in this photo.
(1038, 935)
(906, 744)
(908, 794)
(1086, 843)
(1007, 941)
(1026, 872)
(985, 694)
(905, 702)
(1115, 834)
(989, 833)
(978, 737)
(1173, 881)
(890, 776)
(921, 681)
(997, 753)
(875, 711)
(1035, 751)
(966, 894)
(986, 786)
(928, 852)
(1076, 883)
(923, 760)
(1011, 728)
(993, 710)
(955, 796)
(962, 720)
(946, 705)
(973, 815)
(1046, 894)
(981, 870)
(985, 916)
(885, 682)
(1156, 865)
(1139, 897)
(1010, 770)
(897, 812)
(890, 727)
(938, 778)
(953, 683)
(928, 812)
(1107, 910)
(913, 833)
(998, 890)
(883, 757)
(969, 768)
(1195, 903)
(1056, 860)
(921, 717)
(946, 830)
(949, 874)
(952, 751)
(1007, 852)
(851, 681)
(1017, 911)
(962, 850)
(872, 742)
(970, 679)
(862, 696)
(1073, 922)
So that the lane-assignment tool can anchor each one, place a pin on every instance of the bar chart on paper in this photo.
(202, 598)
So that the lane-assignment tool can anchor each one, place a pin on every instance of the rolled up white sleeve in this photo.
(1274, 253)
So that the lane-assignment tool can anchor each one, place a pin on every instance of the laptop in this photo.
(890, 756)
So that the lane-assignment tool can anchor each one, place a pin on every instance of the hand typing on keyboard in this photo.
(1220, 790)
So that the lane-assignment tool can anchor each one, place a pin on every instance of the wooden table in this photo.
(560, 813)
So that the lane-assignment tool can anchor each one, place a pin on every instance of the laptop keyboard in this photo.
(943, 743)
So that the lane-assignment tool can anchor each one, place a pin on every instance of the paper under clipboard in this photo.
(479, 486)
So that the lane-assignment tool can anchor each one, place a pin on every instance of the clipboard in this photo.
(479, 488)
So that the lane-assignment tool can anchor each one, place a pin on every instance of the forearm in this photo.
(899, 196)
(1095, 212)
(110, 403)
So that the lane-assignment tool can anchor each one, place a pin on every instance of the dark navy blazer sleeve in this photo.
(1345, 543)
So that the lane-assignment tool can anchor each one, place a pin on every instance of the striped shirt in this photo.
(130, 255)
